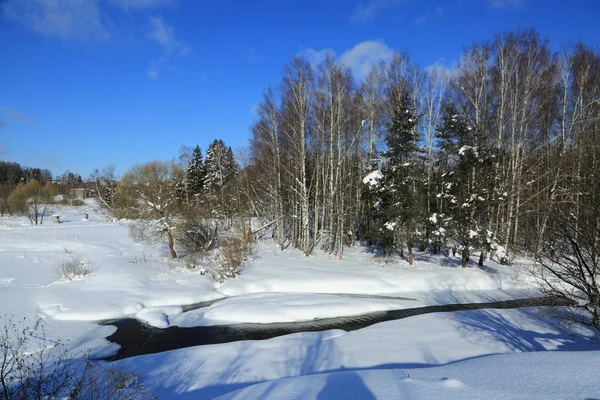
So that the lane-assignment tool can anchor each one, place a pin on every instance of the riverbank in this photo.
(125, 279)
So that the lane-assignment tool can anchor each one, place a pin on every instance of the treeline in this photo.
(12, 173)
(193, 186)
(479, 158)
(14, 177)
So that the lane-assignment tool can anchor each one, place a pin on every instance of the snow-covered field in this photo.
(467, 354)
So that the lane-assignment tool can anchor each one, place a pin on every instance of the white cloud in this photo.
(436, 13)
(141, 4)
(316, 57)
(165, 36)
(442, 67)
(503, 4)
(360, 58)
(63, 19)
(3, 149)
(370, 9)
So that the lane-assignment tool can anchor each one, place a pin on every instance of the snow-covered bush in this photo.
(233, 250)
(197, 236)
(71, 269)
(43, 371)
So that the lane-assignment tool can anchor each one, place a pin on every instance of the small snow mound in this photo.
(453, 383)
(6, 281)
(133, 308)
(155, 318)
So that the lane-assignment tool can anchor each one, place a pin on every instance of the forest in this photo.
(496, 157)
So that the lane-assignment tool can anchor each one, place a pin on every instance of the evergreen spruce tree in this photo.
(231, 167)
(195, 176)
(402, 191)
(220, 168)
(468, 182)
(213, 164)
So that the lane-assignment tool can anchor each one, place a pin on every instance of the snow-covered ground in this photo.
(468, 354)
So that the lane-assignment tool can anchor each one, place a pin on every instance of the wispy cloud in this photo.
(3, 149)
(63, 19)
(316, 57)
(443, 67)
(368, 10)
(2, 124)
(17, 115)
(436, 13)
(360, 58)
(164, 35)
(142, 4)
(504, 4)
(152, 73)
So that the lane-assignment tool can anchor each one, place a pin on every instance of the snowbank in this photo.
(266, 308)
(549, 375)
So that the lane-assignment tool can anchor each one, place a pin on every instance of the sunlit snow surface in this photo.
(446, 355)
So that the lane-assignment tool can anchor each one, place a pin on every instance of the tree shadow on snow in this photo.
(529, 330)
(234, 367)
(345, 386)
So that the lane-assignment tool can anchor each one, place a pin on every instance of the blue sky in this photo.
(88, 83)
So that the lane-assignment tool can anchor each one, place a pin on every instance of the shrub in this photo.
(49, 373)
(233, 251)
(198, 236)
(569, 262)
(72, 269)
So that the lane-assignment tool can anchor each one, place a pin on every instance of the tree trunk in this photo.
(411, 257)
(465, 257)
(171, 245)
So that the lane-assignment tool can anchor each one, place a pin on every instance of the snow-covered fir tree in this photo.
(402, 178)
(195, 175)
(468, 182)
(219, 168)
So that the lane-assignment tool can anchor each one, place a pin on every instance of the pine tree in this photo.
(402, 195)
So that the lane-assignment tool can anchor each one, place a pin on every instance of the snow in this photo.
(488, 354)
(264, 308)
(461, 346)
(529, 376)
(373, 178)
(125, 277)
(292, 272)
